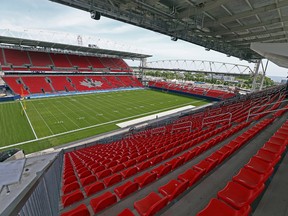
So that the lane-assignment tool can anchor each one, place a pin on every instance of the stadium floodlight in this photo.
(95, 15)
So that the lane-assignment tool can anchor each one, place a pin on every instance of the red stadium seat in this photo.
(126, 212)
(151, 204)
(162, 170)
(129, 163)
(188, 155)
(166, 155)
(103, 174)
(207, 164)
(129, 172)
(268, 156)
(220, 157)
(278, 140)
(155, 160)
(113, 179)
(144, 165)
(117, 168)
(98, 169)
(145, 179)
(191, 175)
(249, 178)
(88, 180)
(274, 148)
(173, 188)
(103, 201)
(111, 164)
(70, 187)
(126, 189)
(141, 158)
(94, 188)
(260, 166)
(219, 208)
(239, 196)
(72, 198)
(176, 162)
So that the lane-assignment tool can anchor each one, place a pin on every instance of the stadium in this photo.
(86, 132)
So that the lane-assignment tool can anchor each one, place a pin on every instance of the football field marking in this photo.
(29, 121)
(92, 126)
(42, 118)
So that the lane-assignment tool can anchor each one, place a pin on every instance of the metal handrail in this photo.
(270, 111)
(184, 127)
(249, 113)
(227, 113)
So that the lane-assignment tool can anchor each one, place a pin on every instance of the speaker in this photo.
(95, 15)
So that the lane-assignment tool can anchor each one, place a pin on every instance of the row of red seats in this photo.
(103, 167)
(239, 112)
(129, 187)
(192, 90)
(31, 84)
(153, 203)
(42, 60)
(146, 177)
(248, 184)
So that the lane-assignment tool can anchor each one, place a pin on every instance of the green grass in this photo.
(14, 124)
(89, 115)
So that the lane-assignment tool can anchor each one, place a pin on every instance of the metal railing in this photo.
(253, 108)
(182, 126)
(218, 121)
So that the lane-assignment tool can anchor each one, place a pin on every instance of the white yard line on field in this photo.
(29, 121)
(42, 118)
(97, 125)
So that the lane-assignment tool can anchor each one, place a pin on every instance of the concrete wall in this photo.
(18, 155)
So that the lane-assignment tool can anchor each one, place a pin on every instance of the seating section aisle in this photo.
(66, 83)
(105, 177)
(22, 60)
(197, 91)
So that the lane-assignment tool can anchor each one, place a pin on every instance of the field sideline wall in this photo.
(12, 98)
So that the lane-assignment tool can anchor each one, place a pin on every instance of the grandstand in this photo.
(227, 157)
(212, 94)
(29, 72)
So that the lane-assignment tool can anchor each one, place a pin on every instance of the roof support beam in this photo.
(255, 25)
(198, 10)
(263, 9)
(255, 34)
(264, 39)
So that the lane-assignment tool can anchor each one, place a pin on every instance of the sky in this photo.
(45, 16)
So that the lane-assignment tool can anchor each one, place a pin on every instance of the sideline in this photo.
(29, 121)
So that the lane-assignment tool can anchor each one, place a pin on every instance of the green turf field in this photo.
(59, 120)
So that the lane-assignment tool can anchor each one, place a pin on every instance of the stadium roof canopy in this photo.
(227, 26)
(36, 44)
